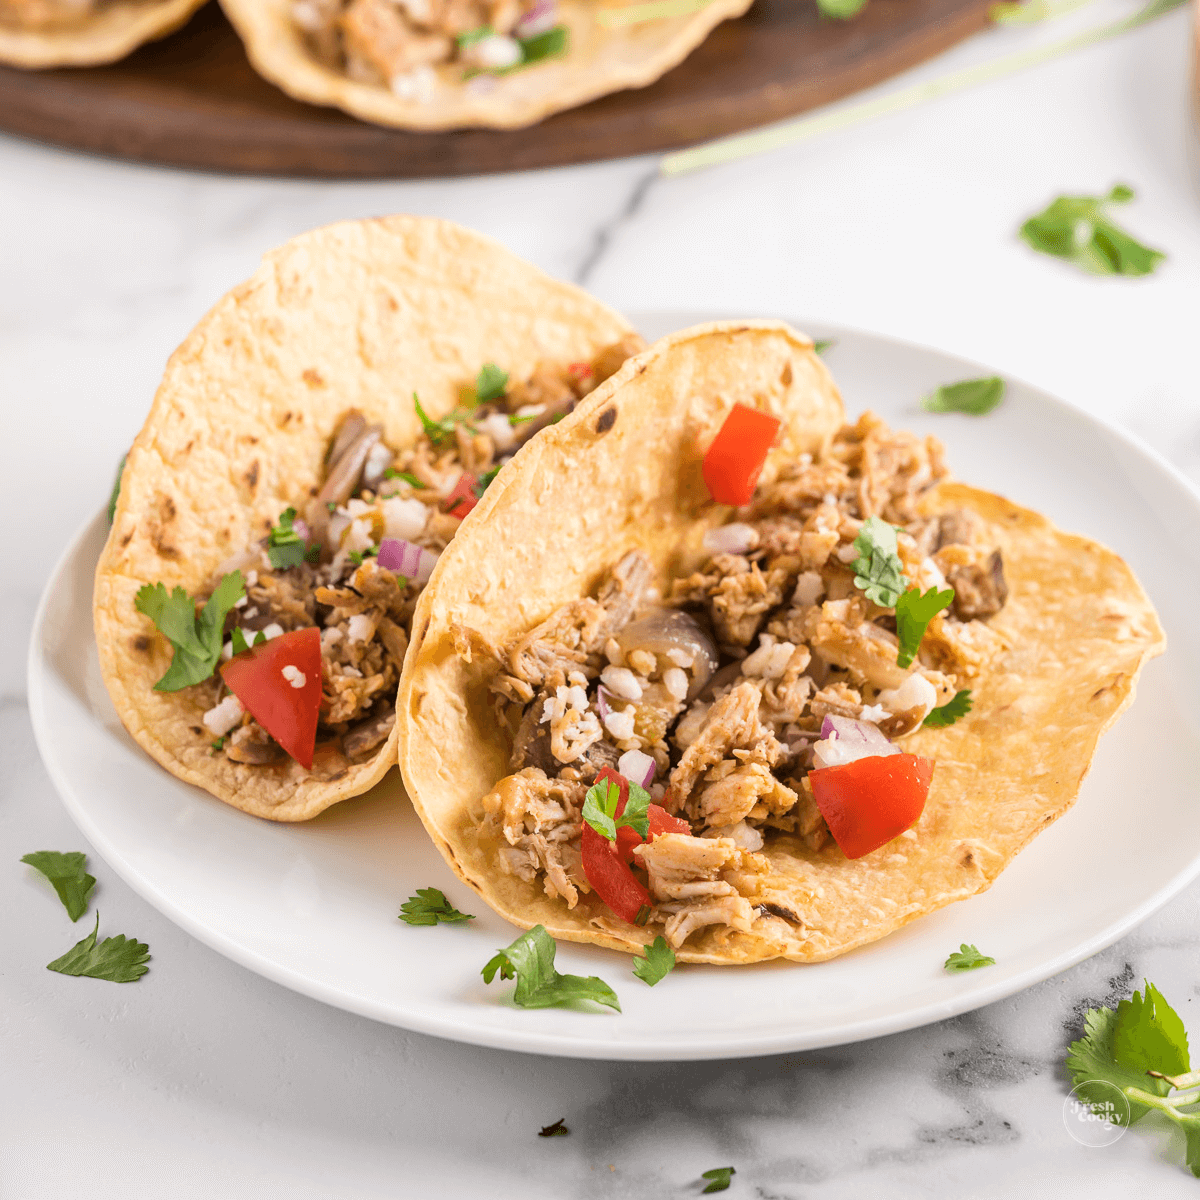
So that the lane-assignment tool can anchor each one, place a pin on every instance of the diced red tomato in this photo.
(607, 864)
(580, 372)
(288, 713)
(735, 459)
(868, 802)
(462, 499)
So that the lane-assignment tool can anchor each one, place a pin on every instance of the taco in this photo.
(314, 445)
(445, 64)
(780, 725)
(84, 33)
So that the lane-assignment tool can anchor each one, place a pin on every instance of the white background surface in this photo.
(204, 1080)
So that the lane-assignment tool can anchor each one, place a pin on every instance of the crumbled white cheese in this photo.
(293, 675)
(734, 538)
(273, 630)
(810, 587)
(251, 578)
(404, 520)
(330, 635)
(680, 657)
(675, 681)
(622, 682)
(221, 718)
(499, 428)
(241, 601)
(360, 628)
(418, 84)
(873, 713)
(620, 724)
(770, 660)
(359, 536)
(915, 692)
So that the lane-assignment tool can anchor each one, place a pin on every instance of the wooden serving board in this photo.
(193, 100)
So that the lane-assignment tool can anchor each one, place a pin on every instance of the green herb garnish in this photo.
(218, 744)
(429, 906)
(196, 639)
(914, 611)
(285, 547)
(1079, 229)
(116, 491)
(436, 431)
(600, 809)
(658, 960)
(515, 419)
(481, 484)
(951, 711)
(823, 344)
(474, 35)
(118, 959)
(558, 1129)
(531, 959)
(407, 476)
(975, 397)
(720, 1177)
(357, 556)
(967, 958)
(65, 872)
(841, 10)
(878, 569)
(545, 45)
(239, 643)
(490, 383)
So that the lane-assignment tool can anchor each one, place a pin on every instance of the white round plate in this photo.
(314, 906)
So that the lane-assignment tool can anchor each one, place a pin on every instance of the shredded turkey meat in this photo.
(725, 684)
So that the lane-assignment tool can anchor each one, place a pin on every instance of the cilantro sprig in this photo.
(1079, 229)
(115, 494)
(442, 429)
(951, 711)
(241, 643)
(430, 907)
(490, 383)
(719, 1177)
(285, 547)
(118, 959)
(531, 960)
(878, 569)
(658, 960)
(914, 611)
(481, 484)
(196, 639)
(974, 397)
(407, 476)
(558, 1129)
(967, 958)
(67, 875)
(600, 809)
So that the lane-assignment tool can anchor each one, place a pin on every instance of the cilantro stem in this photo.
(743, 145)
(1191, 1079)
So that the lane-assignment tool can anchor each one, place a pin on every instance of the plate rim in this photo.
(977, 995)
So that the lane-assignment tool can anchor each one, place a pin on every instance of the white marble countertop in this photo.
(205, 1080)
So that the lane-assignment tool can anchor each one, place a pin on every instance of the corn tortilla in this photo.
(1077, 625)
(355, 315)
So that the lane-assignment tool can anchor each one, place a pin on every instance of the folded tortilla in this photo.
(355, 315)
(600, 60)
(624, 472)
(116, 30)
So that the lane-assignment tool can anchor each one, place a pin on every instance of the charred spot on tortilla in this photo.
(606, 420)
(141, 643)
(252, 475)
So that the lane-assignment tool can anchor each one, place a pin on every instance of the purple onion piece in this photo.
(639, 767)
(602, 694)
(300, 525)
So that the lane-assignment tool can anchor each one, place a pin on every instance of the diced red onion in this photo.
(602, 694)
(844, 740)
(300, 525)
(407, 559)
(639, 767)
(734, 538)
(541, 18)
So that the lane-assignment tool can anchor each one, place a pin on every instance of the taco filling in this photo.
(55, 14)
(315, 617)
(399, 44)
(661, 739)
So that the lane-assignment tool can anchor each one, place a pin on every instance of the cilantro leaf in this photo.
(285, 547)
(720, 1177)
(407, 476)
(1078, 229)
(1092, 1060)
(357, 556)
(951, 711)
(967, 958)
(975, 397)
(659, 959)
(471, 36)
(823, 344)
(637, 811)
(239, 642)
(544, 45)
(841, 10)
(196, 639)
(878, 570)
(429, 906)
(436, 431)
(481, 484)
(531, 959)
(914, 611)
(600, 808)
(490, 383)
(65, 871)
(114, 495)
(558, 1129)
(118, 959)
(1149, 1033)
